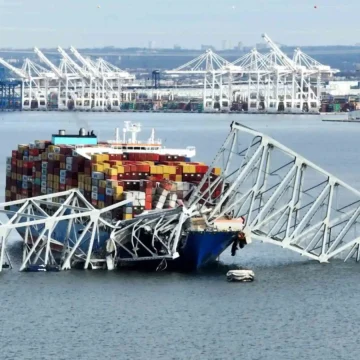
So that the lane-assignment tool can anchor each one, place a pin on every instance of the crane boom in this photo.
(84, 62)
(73, 63)
(279, 53)
(49, 63)
(15, 70)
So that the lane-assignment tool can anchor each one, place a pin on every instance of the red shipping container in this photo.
(201, 169)
(62, 187)
(148, 205)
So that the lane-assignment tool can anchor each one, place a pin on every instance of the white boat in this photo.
(240, 275)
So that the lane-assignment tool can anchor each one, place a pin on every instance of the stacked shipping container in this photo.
(153, 181)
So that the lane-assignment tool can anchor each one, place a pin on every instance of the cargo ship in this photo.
(154, 177)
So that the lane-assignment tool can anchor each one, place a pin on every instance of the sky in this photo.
(188, 23)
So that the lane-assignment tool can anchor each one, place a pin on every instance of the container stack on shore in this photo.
(153, 181)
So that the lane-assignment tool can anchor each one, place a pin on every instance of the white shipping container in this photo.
(68, 167)
(94, 196)
(8, 160)
(62, 173)
(24, 178)
(56, 150)
(109, 191)
(51, 156)
(94, 189)
(8, 167)
(98, 175)
(43, 190)
(69, 160)
(44, 164)
(31, 146)
(43, 184)
(159, 205)
(63, 181)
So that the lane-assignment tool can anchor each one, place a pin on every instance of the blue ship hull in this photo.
(200, 248)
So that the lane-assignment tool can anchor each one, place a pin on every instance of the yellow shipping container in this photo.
(50, 184)
(62, 166)
(217, 171)
(102, 183)
(57, 157)
(112, 171)
(166, 176)
(8, 193)
(38, 174)
(56, 179)
(50, 177)
(118, 197)
(44, 156)
(101, 204)
(105, 157)
(81, 185)
(156, 170)
(189, 169)
(68, 187)
(118, 162)
(178, 178)
(120, 169)
(87, 180)
(19, 177)
(87, 187)
(127, 216)
(81, 177)
(171, 170)
(19, 163)
(118, 190)
(96, 158)
(56, 186)
(14, 176)
(98, 167)
(106, 166)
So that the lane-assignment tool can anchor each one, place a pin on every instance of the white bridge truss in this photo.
(286, 200)
(90, 238)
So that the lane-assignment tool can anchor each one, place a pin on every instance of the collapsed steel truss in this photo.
(285, 199)
(63, 230)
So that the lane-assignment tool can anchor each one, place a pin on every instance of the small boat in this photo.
(240, 275)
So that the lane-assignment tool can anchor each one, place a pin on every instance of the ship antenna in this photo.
(117, 134)
(152, 137)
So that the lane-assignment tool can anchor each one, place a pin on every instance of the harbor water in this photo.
(295, 309)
